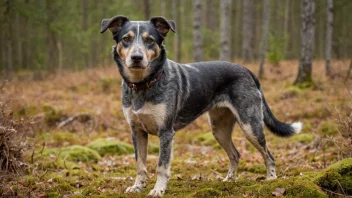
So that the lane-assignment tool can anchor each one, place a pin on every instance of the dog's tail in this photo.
(277, 127)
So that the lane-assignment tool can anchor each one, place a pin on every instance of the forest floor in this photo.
(92, 155)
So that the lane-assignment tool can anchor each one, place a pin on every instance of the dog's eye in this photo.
(126, 39)
(149, 40)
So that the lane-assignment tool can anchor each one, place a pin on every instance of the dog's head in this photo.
(139, 49)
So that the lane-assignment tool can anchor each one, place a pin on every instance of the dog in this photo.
(160, 97)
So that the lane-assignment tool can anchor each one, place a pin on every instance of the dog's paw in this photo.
(271, 177)
(134, 189)
(156, 193)
(228, 179)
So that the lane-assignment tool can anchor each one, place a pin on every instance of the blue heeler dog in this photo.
(160, 96)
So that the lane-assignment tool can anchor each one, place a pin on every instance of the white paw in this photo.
(134, 189)
(271, 177)
(156, 193)
(228, 178)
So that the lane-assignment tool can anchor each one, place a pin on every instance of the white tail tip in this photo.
(297, 127)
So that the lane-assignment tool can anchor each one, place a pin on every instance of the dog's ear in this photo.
(162, 25)
(114, 24)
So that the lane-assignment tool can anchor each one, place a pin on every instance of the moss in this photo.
(294, 187)
(293, 91)
(52, 115)
(337, 176)
(29, 110)
(63, 187)
(307, 84)
(30, 180)
(207, 192)
(74, 153)
(303, 138)
(153, 148)
(53, 195)
(328, 128)
(68, 137)
(110, 146)
(256, 168)
(206, 139)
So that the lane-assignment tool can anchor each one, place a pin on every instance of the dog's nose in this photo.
(137, 57)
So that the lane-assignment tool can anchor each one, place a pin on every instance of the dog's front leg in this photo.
(140, 142)
(163, 168)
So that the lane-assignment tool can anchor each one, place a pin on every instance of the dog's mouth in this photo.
(137, 67)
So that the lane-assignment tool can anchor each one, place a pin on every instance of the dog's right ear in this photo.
(114, 24)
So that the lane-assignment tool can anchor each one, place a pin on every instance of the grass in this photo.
(93, 157)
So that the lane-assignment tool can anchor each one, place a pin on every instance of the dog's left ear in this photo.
(162, 25)
(114, 24)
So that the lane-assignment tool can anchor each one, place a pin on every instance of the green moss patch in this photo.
(74, 153)
(337, 177)
(294, 187)
(110, 146)
(206, 192)
(206, 139)
(303, 138)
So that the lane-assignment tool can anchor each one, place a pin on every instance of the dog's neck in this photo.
(141, 77)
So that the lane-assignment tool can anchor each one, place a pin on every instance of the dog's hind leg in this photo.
(140, 142)
(249, 114)
(222, 122)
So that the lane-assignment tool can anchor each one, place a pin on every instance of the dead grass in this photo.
(12, 141)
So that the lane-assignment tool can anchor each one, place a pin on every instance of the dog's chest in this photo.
(149, 118)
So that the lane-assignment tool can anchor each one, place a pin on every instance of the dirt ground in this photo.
(82, 144)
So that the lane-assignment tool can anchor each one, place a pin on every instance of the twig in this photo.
(41, 151)
(70, 119)
(46, 171)
(335, 193)
(341, 187)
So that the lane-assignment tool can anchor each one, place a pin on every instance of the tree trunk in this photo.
(197, 31)
(247, 30)
(286, 20)
(26, 47)
(176, 18)
(225, 33)
(307, 43)
(329, 30)
(237, 51)
(18, 39)
(211, 15)
(146, 8)
(163, 7)
(85, 29)
(266, 21)
(52, 59)
(9, 43)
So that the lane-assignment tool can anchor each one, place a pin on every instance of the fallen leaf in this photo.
(278, 192)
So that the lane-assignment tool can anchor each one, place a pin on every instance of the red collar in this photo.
(146, 85)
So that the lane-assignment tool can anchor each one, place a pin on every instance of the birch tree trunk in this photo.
(266, 21)
(146, 8)
(225, 33)
(163, 7)
(247, 30)
(211, 15)
(197, 31)
(329, 30)
(286, 33)
(176, 18)
(307, 43)
(85, 29)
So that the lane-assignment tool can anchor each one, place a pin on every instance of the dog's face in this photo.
(138, 43)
